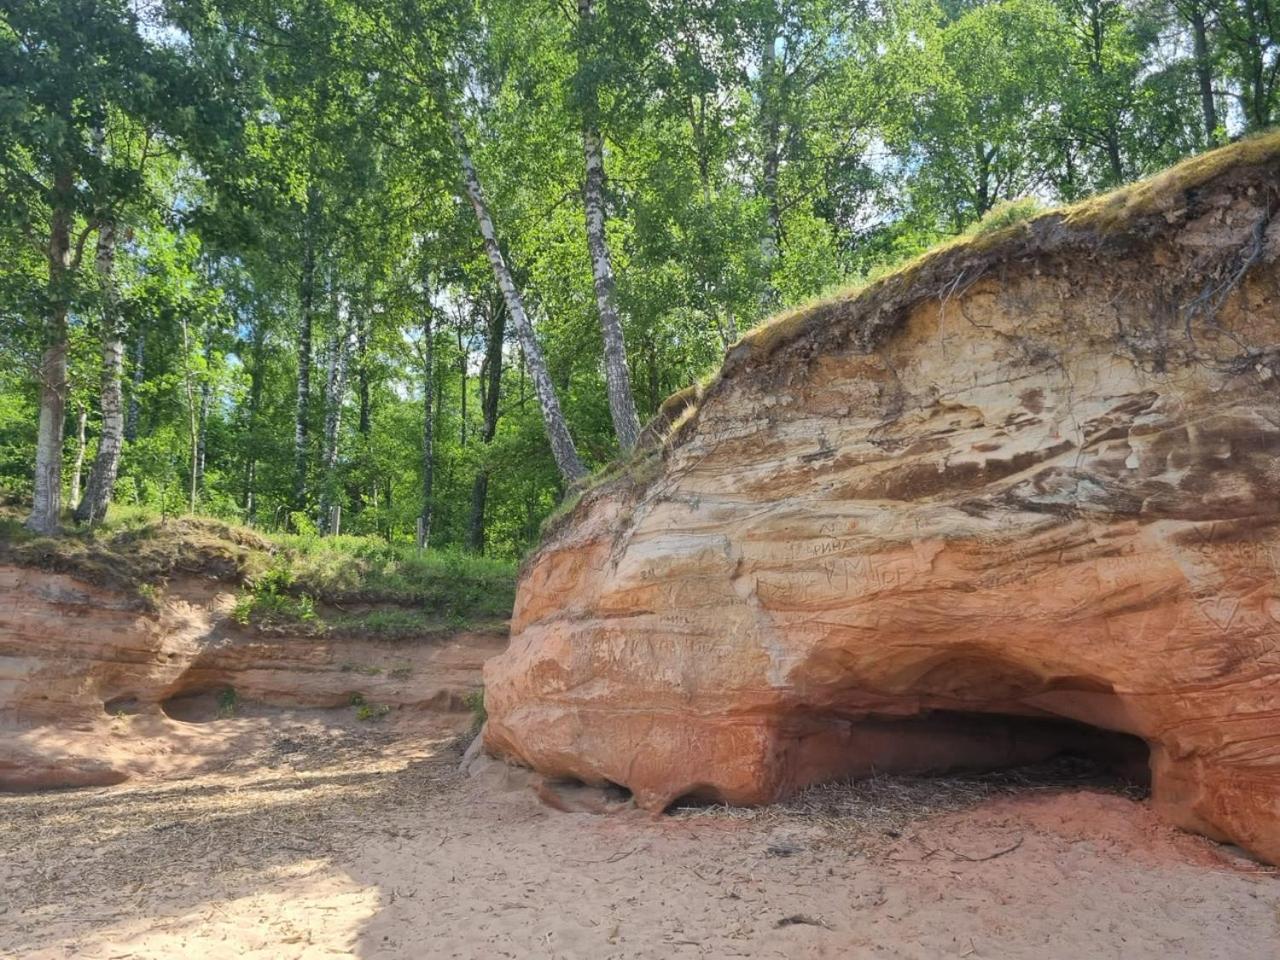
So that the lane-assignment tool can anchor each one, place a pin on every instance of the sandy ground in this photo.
(353, 840)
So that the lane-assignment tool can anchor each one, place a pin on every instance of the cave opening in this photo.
(1033, 749)
(201, 704)
(948, 750)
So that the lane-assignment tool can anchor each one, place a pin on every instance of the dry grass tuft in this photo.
(1166, 190)
(151, 552)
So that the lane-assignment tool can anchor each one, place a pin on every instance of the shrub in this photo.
(475, 703)
(372, 711)
(228, 700)
(1004, 214)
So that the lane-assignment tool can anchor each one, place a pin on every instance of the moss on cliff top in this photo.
(1097, 217)
(1165, 190)
(136, 552)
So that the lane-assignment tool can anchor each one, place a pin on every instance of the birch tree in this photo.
(428, 354)
(562, 446)
(490, 392)
(622, 406)
(335, 395)
(306, 322)
(106, 463)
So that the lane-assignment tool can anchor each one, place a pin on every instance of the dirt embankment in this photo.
(99, 685)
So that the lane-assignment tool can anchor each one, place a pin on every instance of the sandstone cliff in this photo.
(97, 687)
(1031, 478)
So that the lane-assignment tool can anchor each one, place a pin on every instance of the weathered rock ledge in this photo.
(1032, 479)
(95, 688)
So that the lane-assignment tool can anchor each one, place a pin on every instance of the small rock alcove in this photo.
(949, 741)
(1037, 752)
(200, 704)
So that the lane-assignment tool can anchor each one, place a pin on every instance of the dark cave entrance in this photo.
(201, 704)
(1031, 748)
(945, 751)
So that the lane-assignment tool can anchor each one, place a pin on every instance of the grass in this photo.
(228, 700)
(1006, 213)
(640, 467)
(283, 579)
(1003, 226)
(372, 711)
(475, 703)
(1112, 211)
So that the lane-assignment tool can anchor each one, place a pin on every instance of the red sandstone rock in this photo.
(95, 689)
(1033, 478)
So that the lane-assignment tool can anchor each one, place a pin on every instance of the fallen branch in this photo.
(803, 918)
(622, 855)
(991, 856)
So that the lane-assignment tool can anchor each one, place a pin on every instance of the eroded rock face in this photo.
(95, 689)
(1033, 481)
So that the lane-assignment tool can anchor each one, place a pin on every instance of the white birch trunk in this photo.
(77, 469)
(428, 424)
(617, 374)
(335, 393)
(562, 446)
(306, 311)
(46, 500)
(206, 398)
(106, 464)
(193, 430)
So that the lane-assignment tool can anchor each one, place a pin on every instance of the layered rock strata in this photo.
(1032, 479)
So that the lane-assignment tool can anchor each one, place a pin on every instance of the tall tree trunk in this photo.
(491, 388)
(617, 373)
(306, 317)
(335, 393)
(206, 397)
(46, 505)
(364, 422)
(136, 377)
(1095, 41)
(562, 446)
(193, 426)
(429, 401)
(1194, 12)
(1261, 39)
(770, 130)
(250, 489)
(362, 371)
(256, 377)
(77, 469)
(462, 391)
(106, 464)
(1114, 159)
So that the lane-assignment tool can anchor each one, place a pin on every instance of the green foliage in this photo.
(367, 712)
(475, 703)
(1004, 214)
(263, 177)
(351, 569)
(228, 701)
(285, 578)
